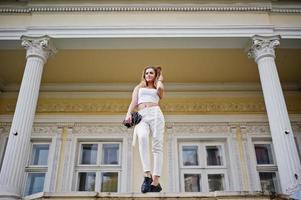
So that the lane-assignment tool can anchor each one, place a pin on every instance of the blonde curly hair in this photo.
(157, 70)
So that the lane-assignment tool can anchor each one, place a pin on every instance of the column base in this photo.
(296, 194)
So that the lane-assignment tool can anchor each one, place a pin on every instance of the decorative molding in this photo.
(193, 106)
(45, 129)
(189, 105)
(128, 87)
(40, 47)
(228, 32)
(159, 7)
(101, 129)
(262, 128)
(5, 127)
(74, 89)
(263, 46)
(195, 129)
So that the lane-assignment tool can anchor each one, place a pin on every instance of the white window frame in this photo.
(79, 156)
(217, 171)
(203, 169)
(98, 168)
(223, 154)
(109, 171)
(3, 142)
(85, 171)
(119, 156)
(37, 168)
(181, 155)
(31, 156)
(273, 154)
(192, 171)
(266, 167)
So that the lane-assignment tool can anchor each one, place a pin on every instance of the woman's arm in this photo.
(133, 104)
(160, 86)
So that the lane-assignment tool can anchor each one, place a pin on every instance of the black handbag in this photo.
(136, 118)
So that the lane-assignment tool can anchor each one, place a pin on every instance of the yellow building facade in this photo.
(232, 100)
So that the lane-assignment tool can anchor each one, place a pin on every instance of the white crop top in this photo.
(148, 95)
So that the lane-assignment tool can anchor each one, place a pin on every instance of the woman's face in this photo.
(150, 75)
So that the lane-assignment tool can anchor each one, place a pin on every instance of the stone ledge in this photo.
(168, 196)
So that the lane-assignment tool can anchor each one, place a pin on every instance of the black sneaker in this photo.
(146, 185)
(157, 188)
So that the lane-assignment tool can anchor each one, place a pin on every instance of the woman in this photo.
(145, 98)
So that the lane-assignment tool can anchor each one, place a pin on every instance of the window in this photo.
(37, 168)
(268, 181)
(266, 166)
(3, 152)
(99, 166)
(202, 167)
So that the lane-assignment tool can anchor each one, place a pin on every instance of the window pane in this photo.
(216, 182)
(264, 154)
(109, 182)
(89, 154)
(110, 154)
(268, 181)
(190, 155)
(35, 183)
(40, 154)
(214, 155)
(192, 182)
(86, 181)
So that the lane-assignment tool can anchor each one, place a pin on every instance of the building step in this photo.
(153, 196)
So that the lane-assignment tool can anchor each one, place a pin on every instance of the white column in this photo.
(288, 162)
(17, 150)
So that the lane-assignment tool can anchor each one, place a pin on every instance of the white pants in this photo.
(152, 121)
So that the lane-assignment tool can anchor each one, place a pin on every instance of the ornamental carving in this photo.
(40, 47)
(4, 127)
(195, 8)
(114, 129)
(197, 129)
(45, 129)
(263, 46)
(258, 129)
(296, 127)
(108, 107)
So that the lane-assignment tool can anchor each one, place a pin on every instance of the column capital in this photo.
(263, 46)
(41, 47)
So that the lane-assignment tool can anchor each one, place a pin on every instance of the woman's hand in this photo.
(160, 78)
(128, 118)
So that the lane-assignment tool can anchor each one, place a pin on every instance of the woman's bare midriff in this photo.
(146, 105)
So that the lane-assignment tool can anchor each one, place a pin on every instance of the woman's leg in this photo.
(142, 130)
(157, 128)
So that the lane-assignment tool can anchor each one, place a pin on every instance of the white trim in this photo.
(141, 32)
(115, 32)
(128, 87)
(168, 118)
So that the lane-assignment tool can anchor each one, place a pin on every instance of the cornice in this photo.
(152, 6)
(30, 10)
(136, 8)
